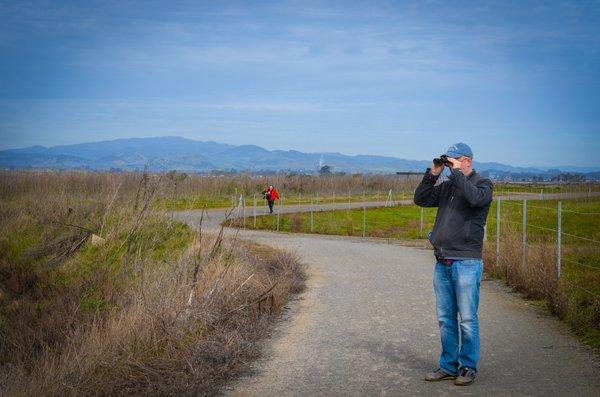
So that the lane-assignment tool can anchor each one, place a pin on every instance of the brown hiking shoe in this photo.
(438, 374)
(465, 377)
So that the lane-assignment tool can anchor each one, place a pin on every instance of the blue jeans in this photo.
(457, 299)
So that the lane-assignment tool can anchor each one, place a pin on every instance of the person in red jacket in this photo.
(271, 194)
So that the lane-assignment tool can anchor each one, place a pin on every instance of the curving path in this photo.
(366, 326)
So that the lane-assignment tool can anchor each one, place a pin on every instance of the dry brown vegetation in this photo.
(538, 279)
(156, 309)
(198, 191)
(293, 184)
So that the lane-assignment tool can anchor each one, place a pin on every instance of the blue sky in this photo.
(519, 81)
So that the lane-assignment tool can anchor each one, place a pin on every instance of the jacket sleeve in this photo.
(427, 194)
(478, 195)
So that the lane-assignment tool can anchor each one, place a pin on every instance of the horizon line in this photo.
(288, 150)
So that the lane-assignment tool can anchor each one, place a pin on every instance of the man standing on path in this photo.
(463, 203)
(271, 194)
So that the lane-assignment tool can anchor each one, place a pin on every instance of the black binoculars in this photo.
(442, 160)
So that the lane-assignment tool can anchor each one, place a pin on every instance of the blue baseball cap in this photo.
(458, 150)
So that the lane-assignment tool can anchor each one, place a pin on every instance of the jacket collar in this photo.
(472, 174)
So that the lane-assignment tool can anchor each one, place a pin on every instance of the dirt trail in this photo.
(366, 326)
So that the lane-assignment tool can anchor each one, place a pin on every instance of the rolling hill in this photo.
(166, 153)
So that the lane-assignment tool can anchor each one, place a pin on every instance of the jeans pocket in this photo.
(472, 269)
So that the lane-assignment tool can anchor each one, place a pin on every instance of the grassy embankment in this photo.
(538, 279)
(151, 308)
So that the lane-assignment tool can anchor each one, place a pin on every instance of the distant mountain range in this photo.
(168, 153)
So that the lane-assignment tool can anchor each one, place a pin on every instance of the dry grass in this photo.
(296, 223)
(537, 279)
(155, 310)
(294, 184)
(158, 343)
(197, 191)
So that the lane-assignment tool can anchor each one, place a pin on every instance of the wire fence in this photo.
(540, 228)
(579, 248)
(317, 203)
(513, 191)
(540, 248)
(393, 196)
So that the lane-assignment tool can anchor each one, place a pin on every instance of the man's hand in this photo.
(455, 163)
(436, 169)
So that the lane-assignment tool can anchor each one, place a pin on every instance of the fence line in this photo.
(581, 264)
(527, 205)
(559, 240)
(525, 225)
(581, 238)
(582, 289)
(554, 209)
(254, 209)
(531, 225)
(498, 231)
(582, 213)
(524, 236)
(541, 227)
(559, 234)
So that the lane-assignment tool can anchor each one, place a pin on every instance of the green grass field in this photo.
(403, 222)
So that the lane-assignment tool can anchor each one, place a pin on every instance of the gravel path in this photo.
(366, 326)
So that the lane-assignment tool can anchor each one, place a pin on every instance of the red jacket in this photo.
(274, 194)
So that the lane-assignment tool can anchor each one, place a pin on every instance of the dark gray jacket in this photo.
(463, 204)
